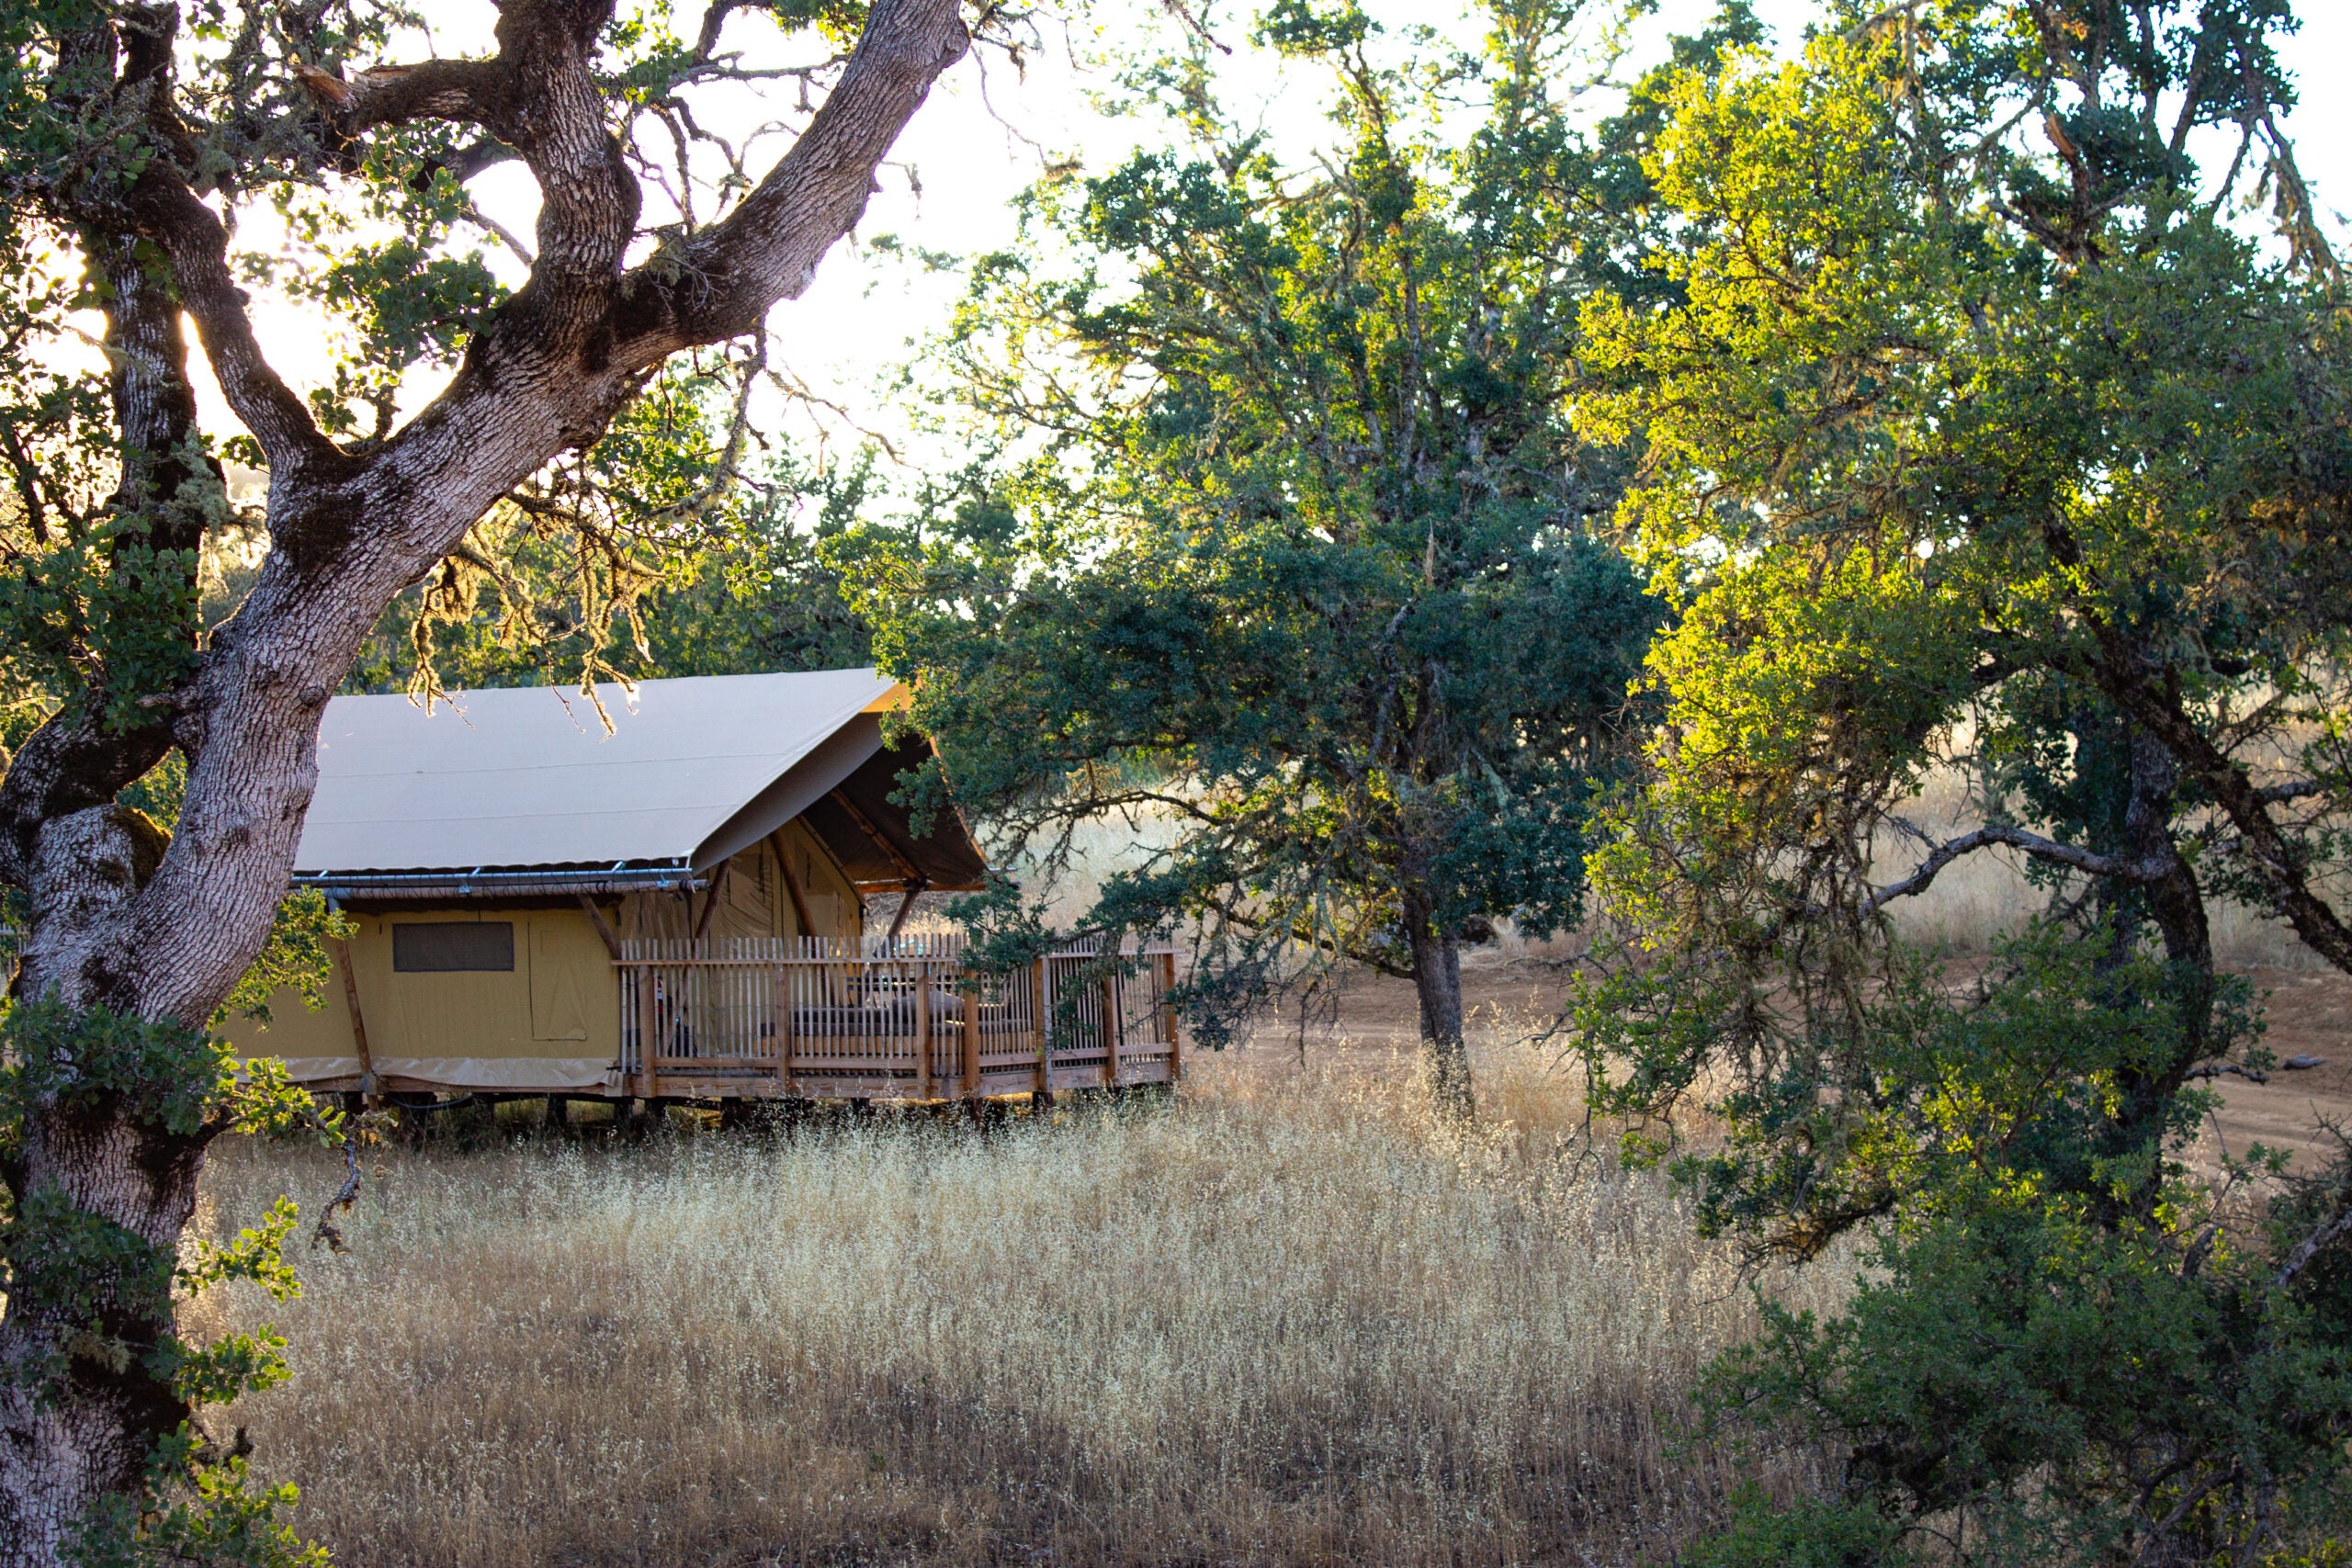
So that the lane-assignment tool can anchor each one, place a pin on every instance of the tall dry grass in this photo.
(1275, 1322)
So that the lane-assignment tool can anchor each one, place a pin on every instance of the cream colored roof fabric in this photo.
(528, 777)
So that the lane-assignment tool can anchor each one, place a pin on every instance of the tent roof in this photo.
(695, 770)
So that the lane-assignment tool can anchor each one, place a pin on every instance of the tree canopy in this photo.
(1291, 551)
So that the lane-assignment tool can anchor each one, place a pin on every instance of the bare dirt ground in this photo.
(2306, 1015)
(1374, 1028)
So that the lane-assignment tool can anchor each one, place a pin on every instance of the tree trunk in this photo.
(82, 1408)
(2176, 906)
(1437, 979)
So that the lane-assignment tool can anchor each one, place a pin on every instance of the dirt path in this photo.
(1375, 1027)
(2307, 1015)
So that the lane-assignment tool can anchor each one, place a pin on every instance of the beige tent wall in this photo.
(753, 899)
(551, 1022)
(834, 907)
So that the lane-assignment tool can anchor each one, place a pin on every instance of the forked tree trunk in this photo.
(123, 923)
(1437, 979)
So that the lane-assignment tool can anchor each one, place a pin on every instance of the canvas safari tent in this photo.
(673, 909)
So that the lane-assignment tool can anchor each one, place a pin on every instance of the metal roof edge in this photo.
(484, 883)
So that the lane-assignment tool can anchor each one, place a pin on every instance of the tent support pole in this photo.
(604, 932)
(710, 898)
(359, 1024)
(907, 868)
(792, 885)
(905, 905)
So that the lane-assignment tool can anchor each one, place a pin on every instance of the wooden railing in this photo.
(816, 1017)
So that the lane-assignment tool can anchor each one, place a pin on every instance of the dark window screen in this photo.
(471, 944)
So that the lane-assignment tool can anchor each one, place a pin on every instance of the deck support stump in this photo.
(1169, 1022)
(559, 1120)
(1110, 1031)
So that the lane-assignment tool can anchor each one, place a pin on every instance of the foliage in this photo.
(1285, 546)
(1809, 1534)
(1977, 439)
(215, 1514)
(295, 959)
(710, 561)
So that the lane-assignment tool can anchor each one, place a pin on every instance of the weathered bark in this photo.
(124, 923)
(2176, 906)
(1437, 980)
(2156, 705)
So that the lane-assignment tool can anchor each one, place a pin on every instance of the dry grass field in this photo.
(2307, 1011)
(1280, 1321)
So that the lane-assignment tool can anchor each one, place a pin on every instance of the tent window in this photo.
(442, 947)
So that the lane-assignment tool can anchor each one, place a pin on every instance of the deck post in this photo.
(922, 1027)
(1110, 1029)
(1040, 1016)
(971, 993)
(645, 1028)
(1168, 1017)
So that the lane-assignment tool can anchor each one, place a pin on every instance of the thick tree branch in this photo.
(2145, 869)
(552, 365)
(470, 92)
(2263, 843)
(1305, 935)
(713, 20)
(198, 246)
(2311, 1246)
(467, 162)
(159, 205)
(75, 764)
(720, 284)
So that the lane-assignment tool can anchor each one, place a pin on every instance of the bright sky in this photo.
(858, 323)
(981, 138)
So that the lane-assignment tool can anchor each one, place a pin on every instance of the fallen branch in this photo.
(326, 1231)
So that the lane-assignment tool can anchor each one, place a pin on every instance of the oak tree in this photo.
(138, 143)
(1992, 440)
(1289, 553)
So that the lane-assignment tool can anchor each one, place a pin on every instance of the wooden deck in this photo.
(903, 1018)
